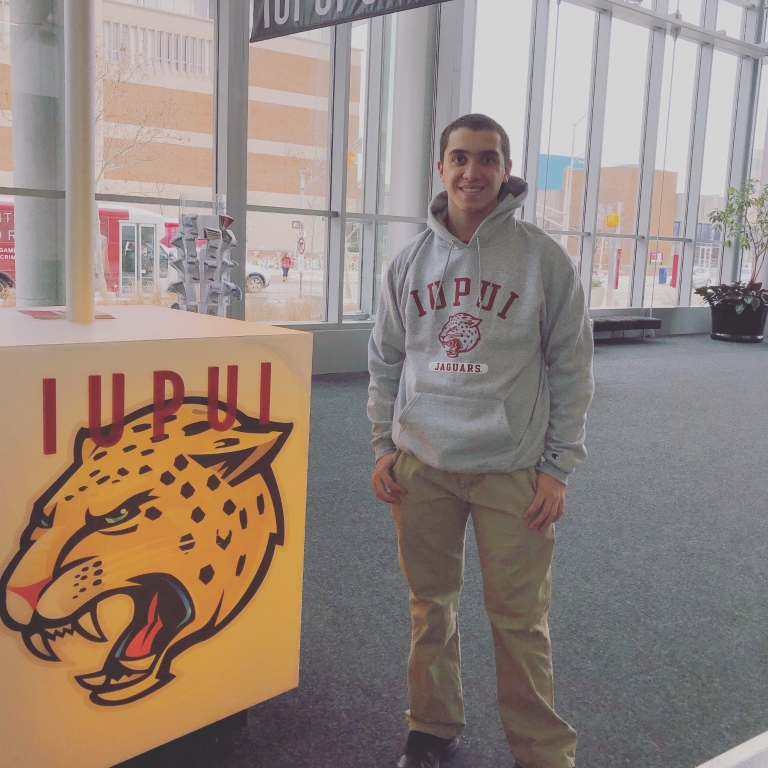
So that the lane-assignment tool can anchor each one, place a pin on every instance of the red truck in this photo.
(125, 232)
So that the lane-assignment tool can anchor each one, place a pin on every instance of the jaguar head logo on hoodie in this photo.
(460, 334)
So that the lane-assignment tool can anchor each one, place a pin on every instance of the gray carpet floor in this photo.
(659, 618)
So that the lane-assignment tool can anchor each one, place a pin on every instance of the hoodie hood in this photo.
(512, 195)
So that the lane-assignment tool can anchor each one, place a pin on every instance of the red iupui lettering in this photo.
(510, 302)
(265, 393)
(113, 433)
(213, 398)
(419, 305)
(462, 289)
(162, 408)
(484, 286)
(440, 295)
(49, 416)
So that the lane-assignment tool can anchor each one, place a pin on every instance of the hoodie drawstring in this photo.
(478, 301)
(445, 268)
(480, 276)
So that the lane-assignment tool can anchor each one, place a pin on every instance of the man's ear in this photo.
(508, 171)
(440, 169)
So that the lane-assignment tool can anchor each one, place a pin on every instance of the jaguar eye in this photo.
(46, 521)
(127, 510)
(119, 517)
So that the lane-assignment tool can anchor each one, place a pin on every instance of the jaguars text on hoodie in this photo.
(481, 356)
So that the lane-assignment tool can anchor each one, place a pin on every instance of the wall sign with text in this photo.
(274, 18)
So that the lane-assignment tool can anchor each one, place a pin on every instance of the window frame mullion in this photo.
(647, 162)
(534, 105)
(337, 178)
(594, 144)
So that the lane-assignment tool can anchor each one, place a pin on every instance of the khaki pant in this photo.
(515, 564)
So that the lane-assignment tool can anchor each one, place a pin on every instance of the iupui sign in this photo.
(274, 18)
(152, 501)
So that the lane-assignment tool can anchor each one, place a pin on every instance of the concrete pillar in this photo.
(415, 41)
(37, 103)
(80, 146)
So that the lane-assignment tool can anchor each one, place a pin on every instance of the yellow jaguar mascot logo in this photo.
(186, 526)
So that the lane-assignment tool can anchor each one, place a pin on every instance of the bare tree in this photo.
(130, 131)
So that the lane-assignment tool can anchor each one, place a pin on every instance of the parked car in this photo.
(256, 279)
(701, 277)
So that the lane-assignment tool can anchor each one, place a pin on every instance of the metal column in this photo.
(534, 104)
(696, 154)
(647, 165)
(80, 161)
(231, 127)
(745, 106)
(341, 63)
(594, 143)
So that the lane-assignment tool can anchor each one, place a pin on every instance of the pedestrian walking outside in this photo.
(480, 378)
(286, 263)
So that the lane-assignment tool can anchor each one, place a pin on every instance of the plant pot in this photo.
(597, 296)
(746, 327)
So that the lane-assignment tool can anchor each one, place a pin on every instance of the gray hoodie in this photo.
(481, 357)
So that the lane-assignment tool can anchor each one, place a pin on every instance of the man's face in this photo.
(473, 170)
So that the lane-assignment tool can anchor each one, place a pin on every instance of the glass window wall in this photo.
(358, 82)
(501, 62)
(560, 194)
(670, 175)
(729, 18)
(153, 140)
(714, 180)
(757, 169)
(155, 116)
(568, 81)
(288, 113)
(619, 171)
(285, 267)
(612, 268)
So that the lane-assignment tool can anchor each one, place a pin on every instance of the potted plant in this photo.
(597, 293)
(739, 310)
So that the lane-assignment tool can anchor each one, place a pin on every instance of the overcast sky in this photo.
(500, 82)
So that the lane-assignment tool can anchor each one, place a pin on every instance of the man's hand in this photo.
(548, 504)
(384, 487)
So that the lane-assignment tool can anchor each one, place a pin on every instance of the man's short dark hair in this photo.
(475, 122)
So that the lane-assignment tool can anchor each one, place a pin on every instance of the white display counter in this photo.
(150, 568)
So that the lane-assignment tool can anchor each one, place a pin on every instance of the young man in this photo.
(481, 375)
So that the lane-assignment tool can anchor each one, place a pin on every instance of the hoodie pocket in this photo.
(455, 432)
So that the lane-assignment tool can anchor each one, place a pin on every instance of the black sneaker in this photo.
(423, 750)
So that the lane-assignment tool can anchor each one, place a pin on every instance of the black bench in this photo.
(625, 323)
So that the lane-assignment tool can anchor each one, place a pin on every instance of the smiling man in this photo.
(481, 375)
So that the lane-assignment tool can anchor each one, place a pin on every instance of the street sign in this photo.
(301, 247)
